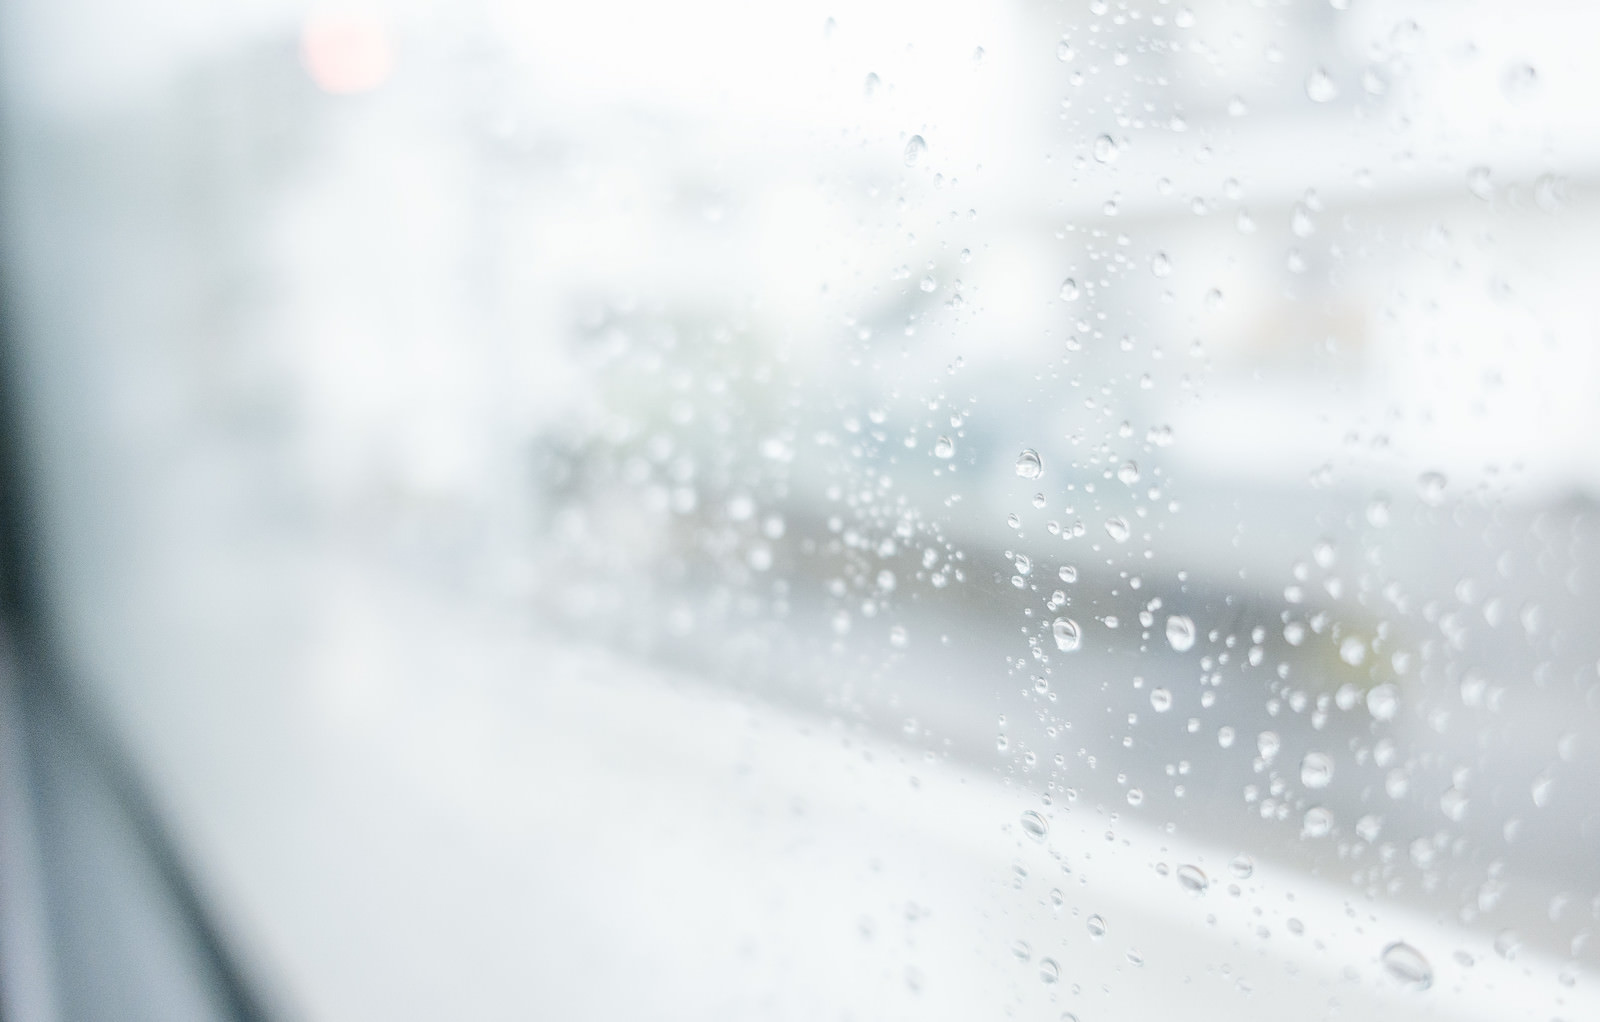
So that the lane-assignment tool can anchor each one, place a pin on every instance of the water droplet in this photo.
(1320, 86)
(1069, 290)
(1066, 634)
(1242, 867)
(1064, 51)
(1267, 744)
(898, 637)
(1180, 633)
(1316, 770)
(1029, 464)
(1021, 951)
(1507, 943)
(1160, 265)
(944, 447)
(1035, 825)
(1193, 879)
(1049, 971)
(1317, 822)
(928, 285)
(1406, 964)
(1096, 926)
(916, 149)
(1067, 573)
(1105, 149)
(873, 83)
(1117, 528)
(1520, 83)
(1430, 487)
(1383, 701)
(1541, 789)
(1135, 796)
(1479, 183)
(1160, 700)
(1353, 650)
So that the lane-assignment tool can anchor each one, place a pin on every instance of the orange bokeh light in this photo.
(346, 52)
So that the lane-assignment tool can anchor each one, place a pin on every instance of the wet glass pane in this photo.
(1043, 510)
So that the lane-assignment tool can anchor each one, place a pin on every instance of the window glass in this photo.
(1056, 510)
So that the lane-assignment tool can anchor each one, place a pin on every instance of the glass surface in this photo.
(728, 510)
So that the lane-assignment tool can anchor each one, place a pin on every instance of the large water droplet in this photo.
(916, 149)
(1180, 633)
(1029, 464)
(1320, 86)
(1193, 879)
(1066, 634)
(1406, 964)
(1316, 770)
(1035, 825)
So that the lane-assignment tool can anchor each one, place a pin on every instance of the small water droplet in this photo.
(1193, 879)
(944, 447)
(1066, 634)
(1064, 51)
(1267, 744)
(1383, 701)
(1035, 825)
(1180, 632)
(1160, 265)
(1128, 473)
(1316, 770)
(1117, 528)
(1406, 964)
(1021, 951)
(1105, 149)
(1430, 487)
(1320, 86)
(1160, 700)
(1135, 796)
(897, 637)
(916, 149)
(1096, 926)
(1069, 290)
(1029, 464)
(1242, 867)
(1067, 573)
(1479, 182)
(873, 84)
(1317, 822)
(1541, 789)
(1520, 83)
(1049, 971)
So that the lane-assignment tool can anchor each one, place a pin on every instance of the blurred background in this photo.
(1056, 510)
